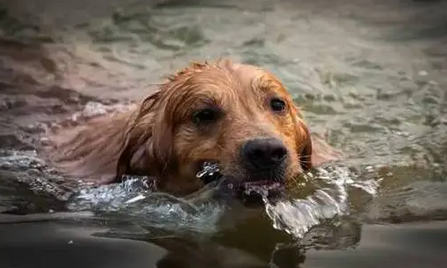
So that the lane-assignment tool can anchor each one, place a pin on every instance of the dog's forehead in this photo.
(246, 78)
(247, 75)
(223, 83)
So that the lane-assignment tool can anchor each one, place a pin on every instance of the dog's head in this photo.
(237, 115)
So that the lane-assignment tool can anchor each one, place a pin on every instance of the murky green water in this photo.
(371, 76)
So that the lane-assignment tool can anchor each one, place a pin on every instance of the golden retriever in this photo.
(237, 115)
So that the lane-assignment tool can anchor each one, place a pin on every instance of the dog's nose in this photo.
(264, 153)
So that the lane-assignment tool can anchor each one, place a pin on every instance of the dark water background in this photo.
(371, 75)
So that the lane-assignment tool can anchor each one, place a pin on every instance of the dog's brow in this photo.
(267, 84)
(207, 101)
(204, 99)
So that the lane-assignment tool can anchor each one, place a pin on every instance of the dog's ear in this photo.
(306, 148)
(137, 153)
(148, 142)
(303, 140)
(161, 147)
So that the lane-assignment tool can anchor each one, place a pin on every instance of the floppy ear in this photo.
(303, 140)
(306, 148)
(137, 155)
(161, 147)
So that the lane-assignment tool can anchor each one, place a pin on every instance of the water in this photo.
(330, 199)
(201, 211)
(370, 76)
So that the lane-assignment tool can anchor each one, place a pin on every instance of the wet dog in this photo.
(237, 115)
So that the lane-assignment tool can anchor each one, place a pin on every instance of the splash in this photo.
(209, 173)
(200, 212)
(135, 198)
(329, 200)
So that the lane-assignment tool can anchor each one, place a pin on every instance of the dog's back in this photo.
(89, 152)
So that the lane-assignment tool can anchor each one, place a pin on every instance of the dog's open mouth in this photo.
(210, 173)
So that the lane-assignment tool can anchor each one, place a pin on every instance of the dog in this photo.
(237, 115)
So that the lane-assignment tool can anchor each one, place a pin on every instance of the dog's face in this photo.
(237, 115)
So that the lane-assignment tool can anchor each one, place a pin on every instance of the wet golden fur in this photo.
(158, 138)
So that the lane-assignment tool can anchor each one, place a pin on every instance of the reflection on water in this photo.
(370, 76)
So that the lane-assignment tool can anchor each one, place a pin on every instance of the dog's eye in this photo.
(205, 116)
(277, 105)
